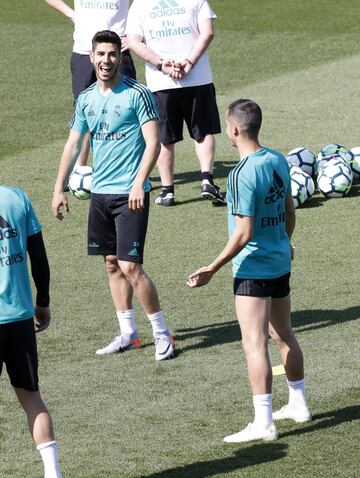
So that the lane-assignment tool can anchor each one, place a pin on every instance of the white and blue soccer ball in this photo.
(303, 158)
(322, 161)
(335, 179)
(355, 163)
(336, 149)
(302, 186)
(80, 182)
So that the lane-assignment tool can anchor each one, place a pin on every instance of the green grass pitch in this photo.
(126, 415)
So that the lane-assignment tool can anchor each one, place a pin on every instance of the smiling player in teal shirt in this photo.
(123, 122)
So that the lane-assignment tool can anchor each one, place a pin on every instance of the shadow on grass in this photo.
(315, 201)
(228, 332)
(240, 459)
(327, 420)
(211, 334)
(221, 170)
(319, 199)
(305, 320)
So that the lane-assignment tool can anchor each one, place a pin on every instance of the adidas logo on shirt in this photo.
(166, 8)
(277, 190)
(4, 224)
(6, 231)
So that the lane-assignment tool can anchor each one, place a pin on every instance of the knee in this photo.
(132, 271)
(111, 264)
(254, 346)
(281, 338)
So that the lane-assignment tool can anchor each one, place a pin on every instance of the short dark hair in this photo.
(248, 116)
(106, 36)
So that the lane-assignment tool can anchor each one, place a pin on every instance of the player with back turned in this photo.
(261, 220)
(20, 235)
(123, 122)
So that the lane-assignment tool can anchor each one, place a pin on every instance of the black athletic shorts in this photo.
(19, 353)
(196, 105)
(274, 288)
(83, 73)
(114, 229)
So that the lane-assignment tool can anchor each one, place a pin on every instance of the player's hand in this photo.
(201, 277)
(136, 198)
(167, 66)
(124, 44)
(177, 71)
(186, 67)
(59, 200)
(42, 318)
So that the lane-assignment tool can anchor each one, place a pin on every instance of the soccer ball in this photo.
(335, 179)
(80, 182)
(336, 149)
(302, 186)
(355, 163)
(322, 161)
(303, 158)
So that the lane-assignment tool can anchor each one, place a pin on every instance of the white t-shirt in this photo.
(92, 16)
(170, 28)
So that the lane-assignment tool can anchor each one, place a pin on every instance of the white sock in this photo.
(126, 322)
(49, 455)
(158, 322)
(263, 410)
(297, 393)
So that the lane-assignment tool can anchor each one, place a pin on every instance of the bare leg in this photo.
(38, 417)
(142, 285)
(165, 164)
(253, 314)
(281, 331)
(205, 152)
(120, 288)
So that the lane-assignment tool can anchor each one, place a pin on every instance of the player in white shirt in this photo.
(172, 38)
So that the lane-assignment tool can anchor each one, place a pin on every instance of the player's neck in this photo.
(107, 86)
(248, 146)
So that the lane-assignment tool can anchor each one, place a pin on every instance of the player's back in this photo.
(17, 222)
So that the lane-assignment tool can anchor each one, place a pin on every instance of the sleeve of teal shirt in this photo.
(243, 193)
(78, 121)
(33, 225)
(145, 106)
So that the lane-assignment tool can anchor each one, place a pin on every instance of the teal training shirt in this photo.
(116, 139)
(257, 187)
(17, 221)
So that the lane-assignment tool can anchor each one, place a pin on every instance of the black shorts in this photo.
(83, 73)
(113, 229)
(19, 353)
(274, 288)
(196, 105)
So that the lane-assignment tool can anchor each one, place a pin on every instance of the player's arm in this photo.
(70, 153)
(40, 272)
(238, 240)
(62, 7)
(290, 219)
(150, 132)
(136, 45)
(206, 30)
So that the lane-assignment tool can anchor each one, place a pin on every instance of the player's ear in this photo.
(236, 130)
(92, 57)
